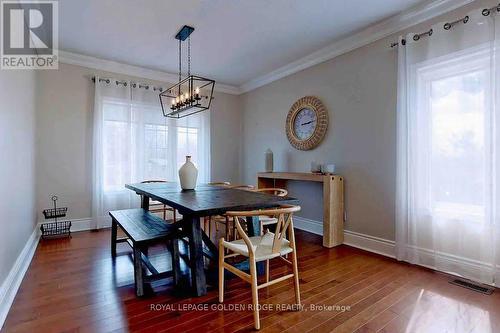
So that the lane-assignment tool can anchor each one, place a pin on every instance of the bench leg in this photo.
(114, 229)
(138, 277)
(176, 264)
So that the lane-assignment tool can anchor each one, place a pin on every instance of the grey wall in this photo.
(64, 137)
(226, 138)
(359, 90)
(17, 165)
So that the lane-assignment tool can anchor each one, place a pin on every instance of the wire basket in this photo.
(53, 213)
(52, 229)
(56, 228)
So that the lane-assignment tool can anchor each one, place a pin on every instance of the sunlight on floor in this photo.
(436, 313)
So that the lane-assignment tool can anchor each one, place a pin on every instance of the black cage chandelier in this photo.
(190, 95)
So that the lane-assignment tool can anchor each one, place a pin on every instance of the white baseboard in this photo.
(312, 226)
(470, 269)
(88, 224)
(355, 239)
(373, 244)
(9, 287)
(81, 224)
(84, 224)
(451, 264)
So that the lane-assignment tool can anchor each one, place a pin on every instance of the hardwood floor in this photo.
(73, 285)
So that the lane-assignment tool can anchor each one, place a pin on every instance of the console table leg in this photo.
(333, 211)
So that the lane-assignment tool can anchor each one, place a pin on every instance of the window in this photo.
(116, 155)
(187, 144)
(140, 144)
(447, 159)
(453, 130)
(134, 142)
(156, 143)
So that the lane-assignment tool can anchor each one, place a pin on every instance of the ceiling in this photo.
(235, 41)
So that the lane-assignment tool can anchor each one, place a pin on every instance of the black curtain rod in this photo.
(448, 25)
(133, 84)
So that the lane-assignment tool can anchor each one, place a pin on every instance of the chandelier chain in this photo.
(180, 65)
(189, 56)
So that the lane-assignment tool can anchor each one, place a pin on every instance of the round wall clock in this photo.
(306, 123)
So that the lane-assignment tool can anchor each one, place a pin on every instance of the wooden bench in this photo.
(144, 229)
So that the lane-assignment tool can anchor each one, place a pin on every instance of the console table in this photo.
(333, 199)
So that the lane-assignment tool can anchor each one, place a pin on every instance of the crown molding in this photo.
(366, 36)
(390, 26)
(130, 70)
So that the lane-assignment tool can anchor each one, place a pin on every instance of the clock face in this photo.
(305, 123)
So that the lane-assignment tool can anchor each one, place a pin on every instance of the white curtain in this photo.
(447, 153)
(133, 142)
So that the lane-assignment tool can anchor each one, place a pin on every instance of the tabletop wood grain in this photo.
(208, 200)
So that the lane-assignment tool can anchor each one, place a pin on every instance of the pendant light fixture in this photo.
(190, 95)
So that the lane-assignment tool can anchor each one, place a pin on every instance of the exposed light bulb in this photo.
(197, 90)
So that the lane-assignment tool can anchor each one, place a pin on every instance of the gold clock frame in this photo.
(315, 139)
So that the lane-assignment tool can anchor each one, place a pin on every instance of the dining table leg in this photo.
(198, 279)
(145, 202)
(253, 226)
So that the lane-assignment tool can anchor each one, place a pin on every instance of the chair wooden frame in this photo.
(280, 192)
(158, 207)
(269, 220)
(219, 183)
(230, 230)
(207, 221)
(243, 187)
(284, 227)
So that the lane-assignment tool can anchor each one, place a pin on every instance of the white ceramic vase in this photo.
(188, 175)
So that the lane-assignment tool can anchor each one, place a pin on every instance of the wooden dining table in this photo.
(206, 200)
